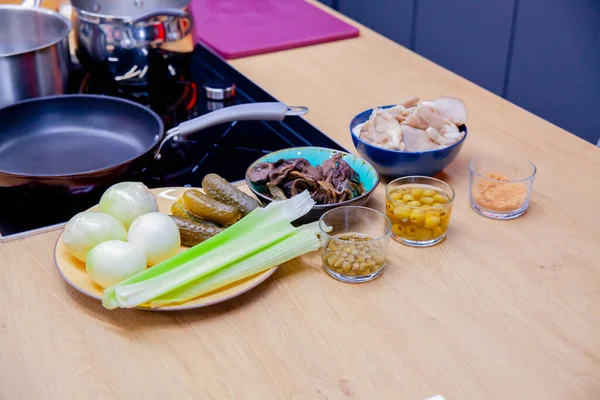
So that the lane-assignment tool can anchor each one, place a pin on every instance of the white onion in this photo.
(114, 261)
(88, 229)
(156, 235)
(128, 200)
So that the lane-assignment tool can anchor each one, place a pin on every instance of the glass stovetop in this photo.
(226, 149)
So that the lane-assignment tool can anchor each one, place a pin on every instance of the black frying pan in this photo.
(84, 141)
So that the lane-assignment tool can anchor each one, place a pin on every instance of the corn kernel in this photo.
(398, 229)
(431, 213)
(423, 234)
(399, 210)
(427, 200)
(432, 222)
(417, 192)
(440, 198)
(414, 203)
(407, 197)
(417, 218)
(442, 213)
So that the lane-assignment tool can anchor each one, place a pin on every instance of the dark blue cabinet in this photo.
(555, 68)
(329, 3)
(391, 18)
(468, 37)
(543, 55)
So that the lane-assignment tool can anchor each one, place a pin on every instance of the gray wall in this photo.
(543, 55)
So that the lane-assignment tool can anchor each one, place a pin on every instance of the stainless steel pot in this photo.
(34, 52)
(126, 38)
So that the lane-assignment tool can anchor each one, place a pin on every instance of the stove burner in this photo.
(219, 90)
(175, 100)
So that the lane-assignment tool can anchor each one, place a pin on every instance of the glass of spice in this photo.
(500, 187)
(355, 243)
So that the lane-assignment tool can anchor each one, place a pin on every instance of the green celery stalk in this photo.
(138, 293)
(301, 242)
(289, 210)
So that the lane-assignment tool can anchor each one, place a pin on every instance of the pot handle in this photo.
(31, 3)
(157, 12)
(243, 112)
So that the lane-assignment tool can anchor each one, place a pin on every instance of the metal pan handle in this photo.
(243, 112)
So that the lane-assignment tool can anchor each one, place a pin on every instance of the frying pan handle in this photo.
(243, 112)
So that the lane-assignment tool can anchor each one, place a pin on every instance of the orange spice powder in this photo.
(499, 195)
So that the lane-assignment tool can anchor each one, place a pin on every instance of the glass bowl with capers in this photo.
(355, 243)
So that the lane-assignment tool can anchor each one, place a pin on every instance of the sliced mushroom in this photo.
(298, 186)
(280, 173)
(276, 192)
(321, 196)
(312, 184)
(260, 172)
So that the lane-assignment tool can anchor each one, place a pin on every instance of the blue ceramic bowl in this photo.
(316, 155)
(394, 163)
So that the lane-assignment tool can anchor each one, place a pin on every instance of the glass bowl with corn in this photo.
(419, 208)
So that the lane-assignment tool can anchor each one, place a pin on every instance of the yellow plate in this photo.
(73, 270)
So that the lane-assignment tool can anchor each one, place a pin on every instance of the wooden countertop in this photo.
(499, 310)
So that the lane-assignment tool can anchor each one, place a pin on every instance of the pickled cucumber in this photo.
(204, 207)
(178, 209)
(223, 191)
(192, 232)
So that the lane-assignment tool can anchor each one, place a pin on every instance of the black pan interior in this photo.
(71, 135)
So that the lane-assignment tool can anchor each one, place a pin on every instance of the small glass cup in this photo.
(355, 243)
(419, 208)
(500, 187)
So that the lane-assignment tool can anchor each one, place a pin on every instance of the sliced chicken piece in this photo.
(410, 102)
(417, 139)
(452, 109)
(436, 137)
(357, 130)
(382, 130)
(398, 112)
(408, 111)
(451, 132)
(415, 120)
(423, 117)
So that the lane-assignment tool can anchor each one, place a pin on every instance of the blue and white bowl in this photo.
(316, 155)
(395, 163)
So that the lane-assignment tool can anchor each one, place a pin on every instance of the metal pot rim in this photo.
(99, 18)
(122, 17)
(51, 14)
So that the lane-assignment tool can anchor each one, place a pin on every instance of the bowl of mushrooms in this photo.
(414, 137)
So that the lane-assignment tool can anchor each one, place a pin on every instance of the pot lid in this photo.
(126, 8)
